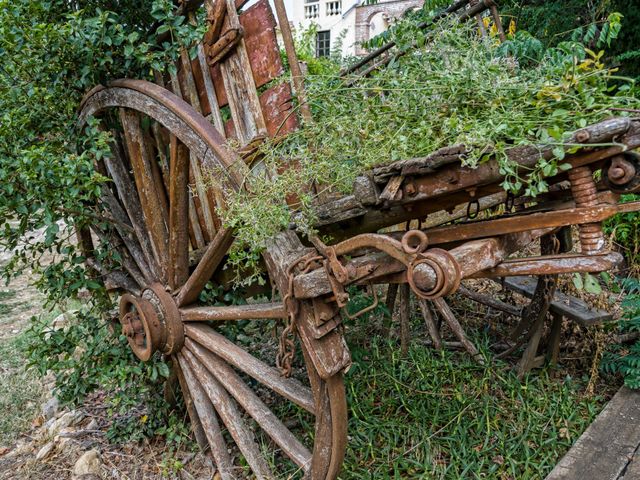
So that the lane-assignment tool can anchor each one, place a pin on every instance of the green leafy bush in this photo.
(624, 229)
(52, 53)
(621, 359)
(89, 353)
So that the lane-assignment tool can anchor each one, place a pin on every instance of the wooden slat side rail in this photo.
(566, 305)
(606, 448)
(240, 87)
(258, 26)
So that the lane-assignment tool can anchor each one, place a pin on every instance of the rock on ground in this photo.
(88, 464)
(45, 451)
(50, 408)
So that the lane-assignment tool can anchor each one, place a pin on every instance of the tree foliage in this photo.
(53, 52)
(556, 21)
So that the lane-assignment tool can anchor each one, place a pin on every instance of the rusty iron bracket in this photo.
(365, 309)
(223, 47)
(411, 250)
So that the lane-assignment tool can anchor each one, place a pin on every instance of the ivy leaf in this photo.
(591, 284)
(576, 278)
(163, 370)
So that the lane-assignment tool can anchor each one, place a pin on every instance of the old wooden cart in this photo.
(169, 136)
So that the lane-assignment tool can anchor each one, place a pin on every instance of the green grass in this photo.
(6, 308)
(20, 391)
(440, 415)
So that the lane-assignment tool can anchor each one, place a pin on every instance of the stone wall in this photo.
(365, 13)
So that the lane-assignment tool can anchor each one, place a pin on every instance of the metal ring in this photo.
(447, 262)
(417, 236)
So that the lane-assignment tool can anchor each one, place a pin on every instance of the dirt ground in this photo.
(34, 447)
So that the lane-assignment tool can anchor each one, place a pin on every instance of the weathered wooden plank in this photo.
(566, 305)
(420, 166)
(115, 165)
(207, 208)
(452, 321)
(195, 233)
(148, 194)
(156, 169)
(187, 82)
(430, 322)
(606, 447)
(209, 90)
(240, 87)
(200, 208)
(138, 268)
(195, 213)
(326, 358)
(277, 106)
(329, 353)
(207, 415)
(258, 25)
(161, 139)
(345, 208)
(196, 423)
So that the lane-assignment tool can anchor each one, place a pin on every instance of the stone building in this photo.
(347, 23)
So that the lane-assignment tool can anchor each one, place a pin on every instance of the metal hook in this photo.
(473, 215)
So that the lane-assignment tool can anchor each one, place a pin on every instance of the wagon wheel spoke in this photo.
(211, 260)
(133, 257)
(150, 192)
(252, 404)
(247, 363)
(229, 413)
(178, 214)
(209, 421)
(116, 169)
(235, 312)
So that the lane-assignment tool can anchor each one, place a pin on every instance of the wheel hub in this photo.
(151, 322)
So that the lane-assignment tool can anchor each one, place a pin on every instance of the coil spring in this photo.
(585, 194)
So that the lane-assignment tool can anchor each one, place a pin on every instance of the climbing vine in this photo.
(453, 87)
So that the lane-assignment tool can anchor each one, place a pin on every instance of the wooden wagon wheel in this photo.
(156, 218)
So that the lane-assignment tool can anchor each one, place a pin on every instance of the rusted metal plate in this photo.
(259, 27)
(277, 107)
(258, 24)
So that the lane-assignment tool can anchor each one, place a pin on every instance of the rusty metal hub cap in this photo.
(151, 322)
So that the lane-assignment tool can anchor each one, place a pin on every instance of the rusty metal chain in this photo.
(286, 342)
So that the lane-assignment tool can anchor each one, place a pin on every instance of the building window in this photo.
(312, 10)
(323, 43)
(334, 8)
